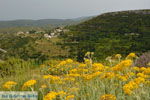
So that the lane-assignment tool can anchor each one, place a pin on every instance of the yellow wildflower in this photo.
(147, 71)
(122, 77)
(127, 91)
(50, 96)
(128, 88)
(96, 74)
(73, 71)
(82, 65)
(87, 77)
(70, 97)
(107, 75)
(46, 76)
(61, 93)
(131, 55)
(108, 97)
(51, 77)
(73, 75)
(69, 61)
(118, 56)
(130, 74)
(29, 83)
(9, 84)
(87, 61)
(62, 63)
(142, 75)
(69, 79)
(143, 69)
(91, 76)
(98, 67)
(139, 80)
(123, 64)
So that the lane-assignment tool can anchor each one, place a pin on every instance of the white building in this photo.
(47, 36)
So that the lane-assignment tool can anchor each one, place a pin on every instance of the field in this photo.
(79, 61)
(115, 78)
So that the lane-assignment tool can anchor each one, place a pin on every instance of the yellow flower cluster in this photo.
(118, 56)
(122, 65)
(78, 70)
(68, 61)
(91, 76)
(9, 84)
(29, 83)
(107, 75)
(122, 77)
(71, 80)
(108, 97)
(142, 77)
(131, 55)
(147, 71)
(84, 71)
(98, 67)
(70, 97)
(129, 87)
(87, 61)
(52, 95)
(51, 77)
(62, 67)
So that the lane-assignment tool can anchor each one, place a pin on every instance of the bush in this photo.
(13, 66)
(143, 60)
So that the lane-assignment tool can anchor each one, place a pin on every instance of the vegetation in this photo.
(12, 66)
(42, 22)
(30, 46)
(143, 60)
(107, 34)
(111, 33)
(71, 80)
(74, 63)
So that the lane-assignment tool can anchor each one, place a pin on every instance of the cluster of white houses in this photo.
(54, 33)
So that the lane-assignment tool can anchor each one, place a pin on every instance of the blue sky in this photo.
(56, 9)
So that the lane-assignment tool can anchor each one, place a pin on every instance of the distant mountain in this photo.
(111, 33)
(42, 22)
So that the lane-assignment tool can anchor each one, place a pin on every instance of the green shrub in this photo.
(14, 66)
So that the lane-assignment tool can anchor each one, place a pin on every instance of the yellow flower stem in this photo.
(31, 89)
(119, 60)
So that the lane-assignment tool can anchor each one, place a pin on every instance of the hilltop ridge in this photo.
(41, 22)
(111, 33)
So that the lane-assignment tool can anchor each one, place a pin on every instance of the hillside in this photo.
(30, 46)
(111, 33)
(42, 22)
(107, 34)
